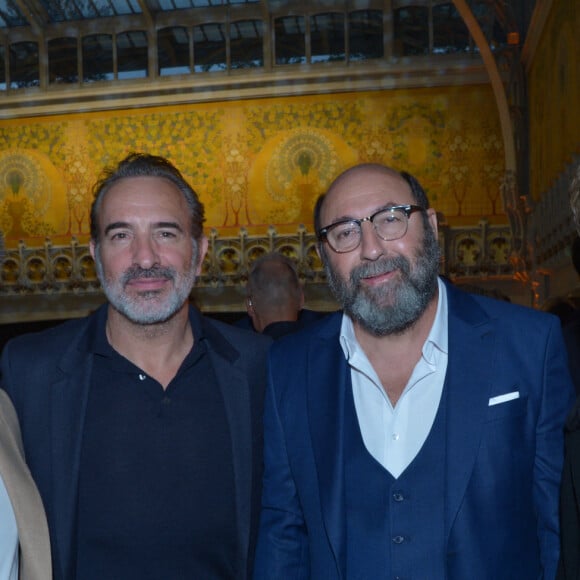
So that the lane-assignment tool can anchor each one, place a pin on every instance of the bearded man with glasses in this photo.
(417, 433)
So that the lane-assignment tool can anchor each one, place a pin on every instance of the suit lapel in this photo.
(467, 389)
(69, 398)
(234, 388)
(329, 378)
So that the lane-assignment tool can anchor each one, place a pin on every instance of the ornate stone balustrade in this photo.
(50, 277)
(481, 251)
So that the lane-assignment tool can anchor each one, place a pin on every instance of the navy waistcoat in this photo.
(395, 527)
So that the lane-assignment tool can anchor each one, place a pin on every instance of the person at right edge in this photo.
(419, 433)
(569, 568)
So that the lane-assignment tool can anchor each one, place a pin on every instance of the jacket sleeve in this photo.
(555, 404)
(570, 510)
(282, 549)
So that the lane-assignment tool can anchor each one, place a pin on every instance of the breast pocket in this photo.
(507, 408)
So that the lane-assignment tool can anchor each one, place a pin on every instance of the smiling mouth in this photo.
(147, 284)
(378, 278)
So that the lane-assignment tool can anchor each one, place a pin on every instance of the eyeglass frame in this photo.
(407, 209)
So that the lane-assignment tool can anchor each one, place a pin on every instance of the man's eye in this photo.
(346, 232)
(390, 217)
(119, 236)
(167, 235)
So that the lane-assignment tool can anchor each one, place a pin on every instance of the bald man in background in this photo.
(274, 295)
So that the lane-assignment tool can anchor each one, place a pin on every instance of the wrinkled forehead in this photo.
(360, 193)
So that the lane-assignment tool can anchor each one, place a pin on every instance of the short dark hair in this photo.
(146, 165)
(416, 189)
(419, 194)
(317, 209)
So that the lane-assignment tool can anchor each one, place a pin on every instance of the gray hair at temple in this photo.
(574, 191)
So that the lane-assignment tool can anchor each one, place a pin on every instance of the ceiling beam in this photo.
(146, 13)
(495, 81)
(35, 13)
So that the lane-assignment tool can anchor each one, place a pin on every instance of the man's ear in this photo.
(254, 315)
(319, 250)
(202, 245)
(92, 248)
(432, 217)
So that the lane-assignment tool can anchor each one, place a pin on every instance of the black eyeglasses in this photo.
(390, 223)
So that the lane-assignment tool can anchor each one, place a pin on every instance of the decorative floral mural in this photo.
(256, 163)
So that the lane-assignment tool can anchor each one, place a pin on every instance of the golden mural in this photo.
(294, 168)
(32, 196)
(257, 163)
(554, 87)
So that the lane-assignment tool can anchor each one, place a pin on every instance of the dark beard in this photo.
(395, 307)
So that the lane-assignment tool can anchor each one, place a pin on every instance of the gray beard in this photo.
(390, 309)
(146, 308)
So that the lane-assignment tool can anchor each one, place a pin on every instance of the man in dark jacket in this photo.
(142, 423)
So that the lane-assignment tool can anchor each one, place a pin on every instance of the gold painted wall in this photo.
(554, 96)
(258, 162)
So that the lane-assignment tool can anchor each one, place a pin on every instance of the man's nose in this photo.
(145, 251)
(371, 246)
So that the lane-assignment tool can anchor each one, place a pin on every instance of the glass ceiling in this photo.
(17, 13)
(46, 43)
(23, 12)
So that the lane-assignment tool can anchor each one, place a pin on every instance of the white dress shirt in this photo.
(8, 537)
(394, 435)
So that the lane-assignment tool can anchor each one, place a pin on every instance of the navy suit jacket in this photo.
(47, 376)
(503, 462)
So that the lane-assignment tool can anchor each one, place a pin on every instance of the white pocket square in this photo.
(504, 398)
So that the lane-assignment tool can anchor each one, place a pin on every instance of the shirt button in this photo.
(398, 539)
(395, 436)
(398, 496)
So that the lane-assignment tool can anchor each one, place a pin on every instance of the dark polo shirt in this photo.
(156, 490)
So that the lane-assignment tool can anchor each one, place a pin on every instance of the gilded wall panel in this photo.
(33, 195)
(554, 89)
(257, 163)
